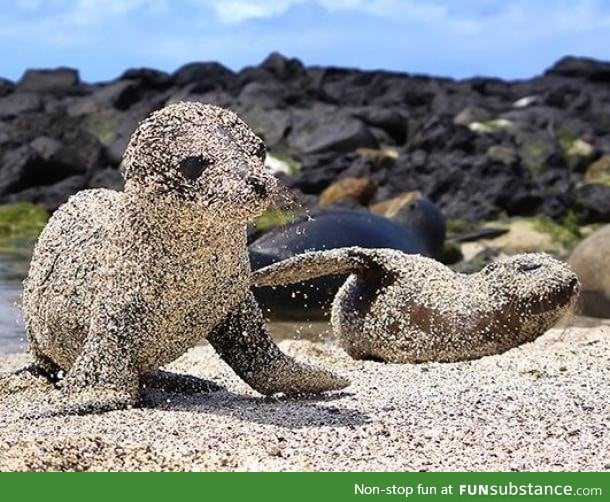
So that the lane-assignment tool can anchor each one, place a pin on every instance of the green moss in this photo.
(491, 125)
(566, 139)
(457, 226)
(534, 155)
(273, 218)
(574, 149)
(20, 222)
(572, 221)
(102, 125)
(503, 154)
(567, 233)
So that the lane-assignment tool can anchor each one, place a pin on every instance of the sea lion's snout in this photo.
(537, 281)
(258, 186)
(573, 289)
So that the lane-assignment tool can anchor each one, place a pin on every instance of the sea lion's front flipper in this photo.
(243, 342)
(302, 267)
(103, 376)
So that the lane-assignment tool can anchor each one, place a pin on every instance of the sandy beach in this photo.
(542, 406)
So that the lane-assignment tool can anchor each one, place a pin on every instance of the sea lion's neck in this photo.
(180, 227)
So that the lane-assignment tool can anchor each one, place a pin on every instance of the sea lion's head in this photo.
(533, 289)
(201, 156)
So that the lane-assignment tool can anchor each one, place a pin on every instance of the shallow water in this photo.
(13, 268)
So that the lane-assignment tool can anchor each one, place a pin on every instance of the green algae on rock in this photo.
(21, 221)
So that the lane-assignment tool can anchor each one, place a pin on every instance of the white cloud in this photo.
(474, 36)
(238, 11)
(469, 17)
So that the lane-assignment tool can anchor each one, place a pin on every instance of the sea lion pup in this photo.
(405, 308)
(122, 283)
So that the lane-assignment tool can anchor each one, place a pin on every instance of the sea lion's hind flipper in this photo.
(302, 267)
(244, 344)
(26, 378)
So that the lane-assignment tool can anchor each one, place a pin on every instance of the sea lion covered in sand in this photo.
(122, 283)
(403, 308)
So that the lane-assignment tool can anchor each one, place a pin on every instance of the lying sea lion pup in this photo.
(403, 308)
(122, 283)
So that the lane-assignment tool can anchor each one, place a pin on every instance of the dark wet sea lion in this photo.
(418, 228)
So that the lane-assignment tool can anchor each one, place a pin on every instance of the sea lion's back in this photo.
(73, 229)
(66, 258)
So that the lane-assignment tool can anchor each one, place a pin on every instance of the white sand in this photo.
(543, 406)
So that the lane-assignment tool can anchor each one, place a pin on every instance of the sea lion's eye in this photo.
(528, 267)
(192, 167)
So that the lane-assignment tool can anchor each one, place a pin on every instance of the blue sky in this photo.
(461, 38)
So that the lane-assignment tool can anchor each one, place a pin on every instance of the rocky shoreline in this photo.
(479, 148)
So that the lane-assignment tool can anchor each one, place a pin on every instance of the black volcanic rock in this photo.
(59, 81)
(583, 68)
(283, 68)
(334, 131)
(478, 148)
(17, 103)
(148, 78)
(594, 200)
(203, 77)
(6, 87)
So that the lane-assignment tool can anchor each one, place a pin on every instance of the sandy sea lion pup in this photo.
(122, 283)
(407, 308)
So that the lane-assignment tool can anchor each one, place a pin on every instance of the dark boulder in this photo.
(440, 133)
(318, 172)
(203, 77)
(393, 122)
(107, 178)
(263, 95)
(121, 95)
(148, 78)
(271, 125)
(340, 85)
(335, 131)
(24, 168)
(60, 81)
(16, 168)
(6, 87)
(17, 103)
(51, 196)
(584, 68)
(48, 148)
(594, 202)
(283, 68)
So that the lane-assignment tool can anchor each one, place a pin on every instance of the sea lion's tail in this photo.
(302, 267)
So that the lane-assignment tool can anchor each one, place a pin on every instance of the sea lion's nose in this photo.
(259, 186)
(574, 283)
